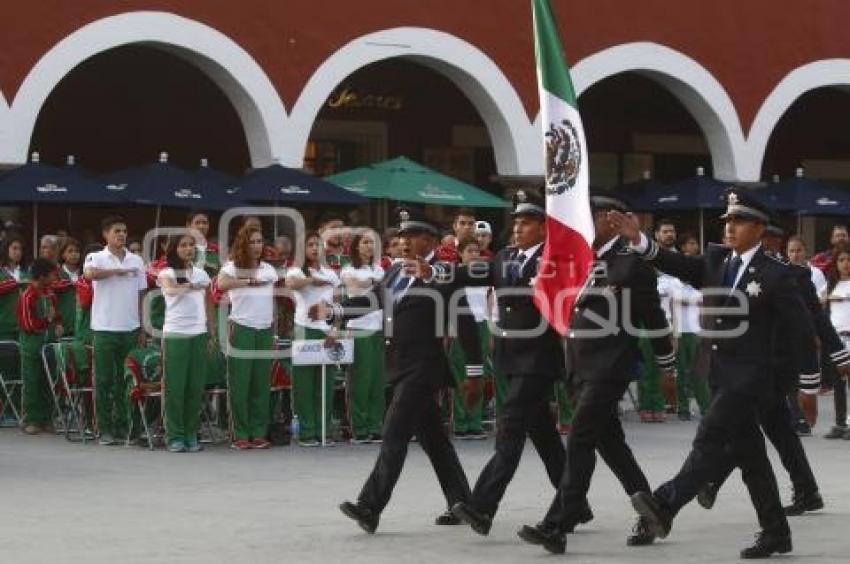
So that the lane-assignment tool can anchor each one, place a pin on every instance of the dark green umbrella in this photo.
(407, 181)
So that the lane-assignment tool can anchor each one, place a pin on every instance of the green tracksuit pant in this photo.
(37, 400)
(249, 382)
(366, 386)
(184, 367)
(688, 384)
(650, 395)
(307, 393)
(466, 420)
(111, 401)
(565, 407)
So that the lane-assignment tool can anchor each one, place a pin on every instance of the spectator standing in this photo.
(824, 260)
(367, 382)
(39, 321)
(311, 284)
(187, 340)
(838, 303)
(249, 282)
(118, 278)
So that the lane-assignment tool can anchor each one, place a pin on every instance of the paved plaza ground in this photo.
(66, 503)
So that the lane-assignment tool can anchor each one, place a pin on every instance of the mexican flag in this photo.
(568, 254)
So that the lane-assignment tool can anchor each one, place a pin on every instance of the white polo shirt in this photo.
(253, 306)
(116, 299)
(186, 312)
(310, 295)
(373, 320)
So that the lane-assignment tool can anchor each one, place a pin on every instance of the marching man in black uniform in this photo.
(417, 369)
(531, 363)
(620, 295)
(756, 295)
(775, 414)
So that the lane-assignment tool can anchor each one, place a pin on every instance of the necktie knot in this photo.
(732, 271)
(516, 267)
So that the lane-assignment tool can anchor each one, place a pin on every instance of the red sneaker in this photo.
(260, 444)
(646, 416)
(564, 428)
(659, 417)
(242, 444)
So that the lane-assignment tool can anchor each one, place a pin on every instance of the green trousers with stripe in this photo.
(249, 382)
(184, 376)
(366, 386)
(111, 401)
(688, 384)
(650, 394)
(307, 393)
(565, 406)
(466, 420)
(37, 400)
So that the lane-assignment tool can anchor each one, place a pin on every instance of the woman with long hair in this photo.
(366, 381)
(310, 284)
(187, 337)
(13, 272)
(70, 270)
(838, 305)
(249, 282)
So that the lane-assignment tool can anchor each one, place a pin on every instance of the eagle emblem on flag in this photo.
(563, 157)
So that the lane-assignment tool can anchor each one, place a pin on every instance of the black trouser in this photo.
(831, 377)
(596, 426)
(778, 425)
(729, 434)
(413, 410)
(525, 412)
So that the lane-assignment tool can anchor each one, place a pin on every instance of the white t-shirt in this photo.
(680, 303)
(186, 312)
(253, 306)
(476, 297)
(819, 280)
(116, 299)
(367, 273)
(839, 312)
(310, 295)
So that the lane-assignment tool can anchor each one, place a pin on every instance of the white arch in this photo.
(234, 70)
(818, 74)
(468, 67)
(698, 90)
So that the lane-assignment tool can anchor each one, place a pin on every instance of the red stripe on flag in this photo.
(564, 268)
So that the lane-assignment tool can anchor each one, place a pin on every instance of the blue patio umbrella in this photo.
(212, 179)
(38, 183)
(163, 184)
(636, 193)
(279, 184)
(806, 196)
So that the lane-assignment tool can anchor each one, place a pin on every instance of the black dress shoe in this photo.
(707, 496)
(480, 522)
(767, 544)
(641, 533)
(448, 518)
(365, 517)
(658, 518)
(549, 538)
(584, 516)
(800, 503)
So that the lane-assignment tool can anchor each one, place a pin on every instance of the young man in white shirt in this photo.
(118, 278)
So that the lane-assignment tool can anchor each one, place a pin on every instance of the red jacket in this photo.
(85, 292)
(30, 318)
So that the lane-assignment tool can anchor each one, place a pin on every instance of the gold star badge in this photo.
(753, 289)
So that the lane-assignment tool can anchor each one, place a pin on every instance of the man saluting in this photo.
(753, 295)
(417, 368)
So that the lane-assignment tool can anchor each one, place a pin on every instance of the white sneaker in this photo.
(106, 439)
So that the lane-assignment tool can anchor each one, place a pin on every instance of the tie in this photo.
(732, 268)
(516, 267)
(400, 285)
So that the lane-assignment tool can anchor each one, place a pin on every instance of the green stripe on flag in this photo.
(551, 62)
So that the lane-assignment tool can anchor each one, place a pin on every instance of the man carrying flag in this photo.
(617, 293)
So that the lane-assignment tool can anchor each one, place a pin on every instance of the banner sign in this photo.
(313, 352)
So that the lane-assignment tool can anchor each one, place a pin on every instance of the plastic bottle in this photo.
(295, 427)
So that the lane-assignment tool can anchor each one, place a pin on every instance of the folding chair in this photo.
(215, 415)
(72, 384)
(143, 371)
(11, 385)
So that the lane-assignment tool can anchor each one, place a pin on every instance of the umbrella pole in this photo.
(35, 229)
(702, 230)
(158, 213)
(799, 225)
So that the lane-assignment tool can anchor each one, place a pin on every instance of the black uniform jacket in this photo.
(619, 302)
(740, 328)
(414, 327)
